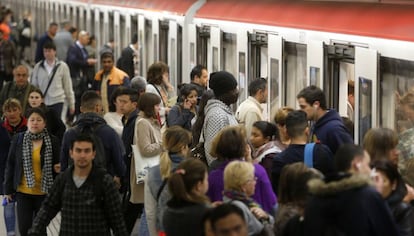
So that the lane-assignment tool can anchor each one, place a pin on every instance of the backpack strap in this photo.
(51, 78)
(164, 182)
(308, 158)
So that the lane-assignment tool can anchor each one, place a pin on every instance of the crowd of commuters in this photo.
(216, 172)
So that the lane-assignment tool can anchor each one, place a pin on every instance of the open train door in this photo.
(141, 41)
(190, 50)
(366, 101)
(274, 76)
(172, 53)
(314, 58)
(242, 65)
(215, 50)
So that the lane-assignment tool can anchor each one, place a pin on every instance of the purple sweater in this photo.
(263, 194)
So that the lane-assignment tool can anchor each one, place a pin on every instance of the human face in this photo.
(49, 53)
(363, 165)
(204, 78)
(124, 104)
(393, 155)
(307, 108)
(35, 99)
(13, 115)
(107, 64)
(84, 39)
(231, 225)
(82, 154)
(250, 186)
(157, 108)
(387, 185)
(165, 77)
(192, 97)
(35, 123)
(263, 96)
(409, 113)
(256, 138)
(203, 185)
(53, 30)
(21, 76)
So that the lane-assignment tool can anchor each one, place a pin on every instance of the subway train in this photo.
(291, 43)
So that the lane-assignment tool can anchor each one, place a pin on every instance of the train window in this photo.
(192, 53)
(274, 82)
(315, 75)
(294, 79)
(173, 63)
(242, 75)
(215, 59)
(365, 101)
(155, 48)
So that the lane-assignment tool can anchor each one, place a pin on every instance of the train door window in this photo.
(396, 84)
(365, 104)
(229, 53)
(295, 61)
(163, 49)
(179, 54)
(203, 36)
(110, 34)
(242, 76)
(274, 84)
(215, 59)
(148, 41)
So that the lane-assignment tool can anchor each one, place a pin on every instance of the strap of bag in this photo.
(51, 79)
(164, 182)
(159, 93)
(308, 159)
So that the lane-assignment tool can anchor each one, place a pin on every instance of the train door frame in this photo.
(315, 61)
(98, 25)
(215, 50)
(202, 46)
(128, 33)
(242, 45)
(192, 52)
(116, 33)
(172, 52)
(155, 34)
(257, 42)
(366, 73)
(275, 72)
(142, 46)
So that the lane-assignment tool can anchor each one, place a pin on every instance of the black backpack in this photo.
(91, 130)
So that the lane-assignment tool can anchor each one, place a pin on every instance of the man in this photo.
(218, 112)
(228, 219)
(251, 110)
(7, 59)
(19, 88)
(63, 40)
(297, 129)
(52, 77)
(139, 83)
(129, 60)
(328, 127)
(350, 104)
(78, 62)
(347, 203)
(91, 108)
(86, 196)
(127, 101)
(199, 78)
(108, 47)
(108, 79)
(47, 37)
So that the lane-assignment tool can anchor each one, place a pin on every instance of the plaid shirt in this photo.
(83, 213)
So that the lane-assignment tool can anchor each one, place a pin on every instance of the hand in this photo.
(259, 213)
(56, 168)
(410, 194)
(117, 181)
(9, 197)
(216, 203)
(91, 61)
(187, 104)
(72, 111)
(248, 156)
(167, 110)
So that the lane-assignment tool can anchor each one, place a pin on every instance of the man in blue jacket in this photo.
(328, 127)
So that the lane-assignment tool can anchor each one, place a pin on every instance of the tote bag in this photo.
(142, 164)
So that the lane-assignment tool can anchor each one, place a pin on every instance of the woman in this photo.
(30, 170)
(265, 141)
(393, 190)
(239, 186)
(293, 193)
(183, 113)
(159, 84)
(229, 145)
(188, 204)
(14, 122)
(280, 121)
(381, 143)
(54, 125)
(175, 142)
(148, 139)
(114, 117)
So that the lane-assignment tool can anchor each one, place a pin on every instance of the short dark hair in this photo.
(89, 100)
(132, 93)
(134, 38)
(268, 129)
(296, 123)
(345, 155)
(222, 211)
(313, 94)
(53, 24)
(41, 112)
(197, 71)
(49, 45)
(73, 29)
(146, 104)
(83, 137)
(107, 54)
(390, 170)
(256, 85)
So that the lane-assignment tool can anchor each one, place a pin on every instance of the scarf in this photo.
(14, 129)
(240, 196)
(47, 176)
(265, 149)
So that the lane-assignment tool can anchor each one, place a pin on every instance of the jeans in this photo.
(10, 218)
(143, 227)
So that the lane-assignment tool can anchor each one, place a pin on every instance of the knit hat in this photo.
(221, 82)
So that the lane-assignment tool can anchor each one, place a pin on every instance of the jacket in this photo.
(77, 63)
(149, 143)
(263, 193)
(61, 87)
(39, 47)
(180, 116)
(10, 90)
(14, 168)
(331, 131)
(152, 88)
(126, 61)
(111, 141)
(63, 40)
(116, 78)
(9, 59)
(83, 213)
(249, 112)
(402, 212)
(217, 116)
(347, 204)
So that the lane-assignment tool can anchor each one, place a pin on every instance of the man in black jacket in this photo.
(129, 60)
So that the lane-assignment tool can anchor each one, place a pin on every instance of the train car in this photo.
(291, 43)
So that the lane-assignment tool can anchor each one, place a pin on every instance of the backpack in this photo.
(91, 130)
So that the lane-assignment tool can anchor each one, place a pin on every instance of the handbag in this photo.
(142, 164)
(198, 151)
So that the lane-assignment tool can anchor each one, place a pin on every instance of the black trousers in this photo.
(27, 207)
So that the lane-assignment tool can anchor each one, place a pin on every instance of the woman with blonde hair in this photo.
(280, 121)
(239, 186)
(175, 142)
